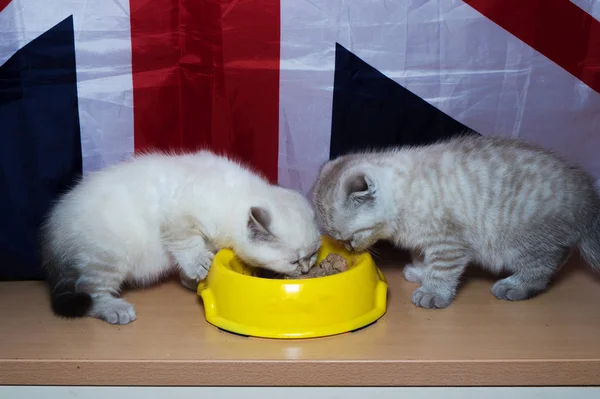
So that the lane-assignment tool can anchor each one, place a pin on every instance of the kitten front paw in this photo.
(509, 291)
(187, 282)
(412, 273)
(424, 298)
(113, 310)
(204, 265)
(200, 269)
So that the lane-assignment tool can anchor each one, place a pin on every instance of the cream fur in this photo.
(137, 221)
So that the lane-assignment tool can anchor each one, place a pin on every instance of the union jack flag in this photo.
(281, 84)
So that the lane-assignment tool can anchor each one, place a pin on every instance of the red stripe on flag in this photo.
(155, 60)
(206, 74)
(3, 4)
(558, 29)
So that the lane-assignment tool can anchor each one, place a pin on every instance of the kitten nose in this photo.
(304, 267)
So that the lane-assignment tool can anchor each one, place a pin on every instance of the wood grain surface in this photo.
(551, 340)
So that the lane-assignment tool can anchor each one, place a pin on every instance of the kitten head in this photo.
(351, 206)
(281, 234)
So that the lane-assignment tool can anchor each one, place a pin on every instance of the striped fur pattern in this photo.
(137, 221)
(500, 203)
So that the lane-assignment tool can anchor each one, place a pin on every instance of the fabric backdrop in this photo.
(281, 84)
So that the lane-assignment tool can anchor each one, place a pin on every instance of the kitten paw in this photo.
(188, 283)
(113, 310)
(508, 291)
(412, 273)
(201, 268)
(429, 300)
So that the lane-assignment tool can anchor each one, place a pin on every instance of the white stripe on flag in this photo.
(443, 51)
(103, 56)
(307, 65)
(592, 7)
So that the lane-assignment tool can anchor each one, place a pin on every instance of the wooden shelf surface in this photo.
(553, 339)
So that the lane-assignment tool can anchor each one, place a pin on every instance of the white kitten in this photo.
(137, 221)
(499, 203)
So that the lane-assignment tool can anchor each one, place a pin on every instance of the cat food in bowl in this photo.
(332, 264)
(326, 301)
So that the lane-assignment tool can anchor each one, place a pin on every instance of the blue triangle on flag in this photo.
(372, 111)
(40, 145)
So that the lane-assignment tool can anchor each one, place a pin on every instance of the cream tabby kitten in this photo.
(136, 221)
(500, 203)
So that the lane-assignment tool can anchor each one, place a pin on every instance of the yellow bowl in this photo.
(236, 300)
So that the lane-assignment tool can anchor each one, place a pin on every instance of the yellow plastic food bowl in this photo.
(237, 301)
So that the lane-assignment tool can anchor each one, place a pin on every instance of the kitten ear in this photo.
(259, 221)
(360, 187)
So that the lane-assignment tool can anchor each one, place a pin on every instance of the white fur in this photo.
(136, 221)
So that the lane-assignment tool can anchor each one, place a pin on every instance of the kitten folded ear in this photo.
(259, 221)
(360, 187)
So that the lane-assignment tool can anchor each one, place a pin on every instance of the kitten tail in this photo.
(589, 245)
(68, 302)
(66, 299)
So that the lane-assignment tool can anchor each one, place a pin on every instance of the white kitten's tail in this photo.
(589, 246)
(66, 298)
